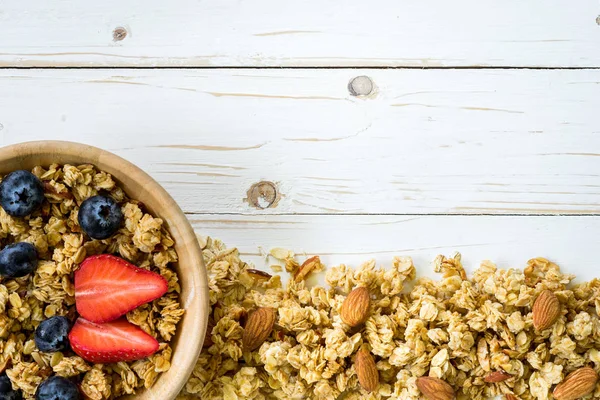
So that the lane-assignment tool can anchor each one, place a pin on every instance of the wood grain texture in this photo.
(509, 241)
(427, 141)
(421, 33)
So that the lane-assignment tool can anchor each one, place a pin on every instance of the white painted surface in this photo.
(428, 141)
(420, 33)
(506, 240)
(435, 141)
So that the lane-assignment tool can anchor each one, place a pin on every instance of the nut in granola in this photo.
(435, 388)
(259, 275)
(546, 310)
(355, 308)
(577, 384)
(497, 376)
(307, 267)
(258, 327)
(366, 370)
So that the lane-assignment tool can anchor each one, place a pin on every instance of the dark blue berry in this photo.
(21, 193)
(6, 390)
(100, 217)
(57, 388)
(18, 259)
(52, 334)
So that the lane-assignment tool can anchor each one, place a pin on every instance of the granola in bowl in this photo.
(374, 333)
(38, 296)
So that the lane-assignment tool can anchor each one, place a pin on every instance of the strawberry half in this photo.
(110, 342)
(107, 287)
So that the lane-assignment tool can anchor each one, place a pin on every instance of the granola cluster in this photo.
(61, 246)
(475, 333)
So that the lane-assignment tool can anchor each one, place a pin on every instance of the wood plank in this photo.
(427, 141)
(509, 241)
(421, 33)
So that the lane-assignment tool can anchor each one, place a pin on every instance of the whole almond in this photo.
(577, 384)
(510, 396)
(306, 267)
(258, 327)
(435, 388)
(368, 375)
(355, 309)
(497, 376)
(546, 310)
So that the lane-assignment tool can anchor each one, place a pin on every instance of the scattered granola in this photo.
(61, 246)
(473, 338)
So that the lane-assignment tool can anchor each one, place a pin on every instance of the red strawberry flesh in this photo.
(107, 287)
(110, 342)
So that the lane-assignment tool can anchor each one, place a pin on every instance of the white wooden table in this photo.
(481, 132)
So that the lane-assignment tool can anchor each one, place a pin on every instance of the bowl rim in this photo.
(177, 221)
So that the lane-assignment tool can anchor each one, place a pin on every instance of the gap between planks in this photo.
(301, 214)
(463, 67)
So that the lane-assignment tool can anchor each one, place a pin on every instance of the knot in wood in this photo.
(262, 195)
(360, 86)
(119, 34)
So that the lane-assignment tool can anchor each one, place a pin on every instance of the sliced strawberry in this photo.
(107, 287)
(110, 342)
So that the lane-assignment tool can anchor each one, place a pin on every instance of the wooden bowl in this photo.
(138, 185)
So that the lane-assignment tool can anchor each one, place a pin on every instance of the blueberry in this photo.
(6, 390)
(100, 217)
(57, 388)
(52, 334)
(18, 259)
(21, 193)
